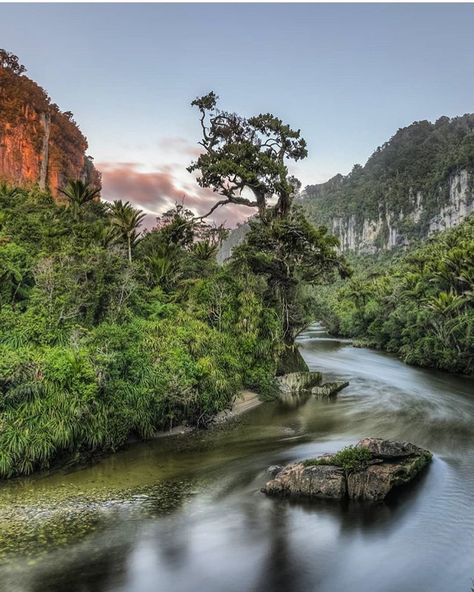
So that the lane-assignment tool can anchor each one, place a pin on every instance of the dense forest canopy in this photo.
(95, 347)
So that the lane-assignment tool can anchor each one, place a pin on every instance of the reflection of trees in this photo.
(100, 563)
(171, 544)
(282, 570)
(94, 572)
(292, 560)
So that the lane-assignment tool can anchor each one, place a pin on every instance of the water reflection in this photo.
(195, 518)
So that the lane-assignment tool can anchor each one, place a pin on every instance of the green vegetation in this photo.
(108, 333)
(419, 159)
(95, 348)
(291, 254)
(350, 458)
(249, 157)
(417, 304)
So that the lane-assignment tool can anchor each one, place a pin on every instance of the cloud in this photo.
(158, 190)
(125, 181)
(180, 145)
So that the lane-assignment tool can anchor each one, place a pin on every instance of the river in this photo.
(185, 514)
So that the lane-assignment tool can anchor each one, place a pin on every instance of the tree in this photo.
(79, 194)
(247, 156)
(180, 247)
(245, 162)
(11, 62)
(126, 219)
(291, 254)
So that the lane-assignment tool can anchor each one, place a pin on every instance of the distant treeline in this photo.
(417, 304)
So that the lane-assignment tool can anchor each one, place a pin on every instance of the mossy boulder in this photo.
(370, 470)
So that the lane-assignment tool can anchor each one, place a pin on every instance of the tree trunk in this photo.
(291, 360)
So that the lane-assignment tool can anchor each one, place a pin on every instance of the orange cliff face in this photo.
(39, 145)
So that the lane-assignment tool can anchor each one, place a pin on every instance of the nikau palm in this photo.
(79, 194)
(126, 219)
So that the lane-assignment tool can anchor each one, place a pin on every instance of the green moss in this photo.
(350, 458)
(315, 462)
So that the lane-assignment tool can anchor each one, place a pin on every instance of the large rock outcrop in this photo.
(296, 383)
(39, 144)
(368, 471)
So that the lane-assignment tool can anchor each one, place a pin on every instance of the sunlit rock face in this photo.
(39, 144)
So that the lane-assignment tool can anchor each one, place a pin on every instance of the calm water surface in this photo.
(185, 514)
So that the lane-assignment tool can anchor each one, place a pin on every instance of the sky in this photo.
(347, 75)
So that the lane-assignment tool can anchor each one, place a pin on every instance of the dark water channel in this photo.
(185, 514)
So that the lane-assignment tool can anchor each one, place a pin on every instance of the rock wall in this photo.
(460, 205)
(236, 237)
(391, 230)
(39, 144)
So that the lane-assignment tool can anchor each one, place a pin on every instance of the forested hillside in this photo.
(419, 182)
(418, 305)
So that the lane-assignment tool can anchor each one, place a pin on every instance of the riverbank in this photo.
(186, 512)
(244, 401)
(417, 304)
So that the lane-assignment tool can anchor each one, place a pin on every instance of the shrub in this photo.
(351, 458)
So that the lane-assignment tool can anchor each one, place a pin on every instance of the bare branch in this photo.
(240, 201)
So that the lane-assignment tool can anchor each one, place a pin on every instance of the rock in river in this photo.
(370, 470)
(298, 382)
(329, 389)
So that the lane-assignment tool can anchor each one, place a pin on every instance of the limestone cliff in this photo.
(390, 230)
(39, 144)
(418, 183)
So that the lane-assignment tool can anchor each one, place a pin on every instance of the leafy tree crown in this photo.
(245, 159)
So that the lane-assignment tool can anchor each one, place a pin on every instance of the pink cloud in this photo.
(177, 144)
(125, 181)
(158, 191)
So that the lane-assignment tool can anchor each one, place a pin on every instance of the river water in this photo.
(186, 514)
